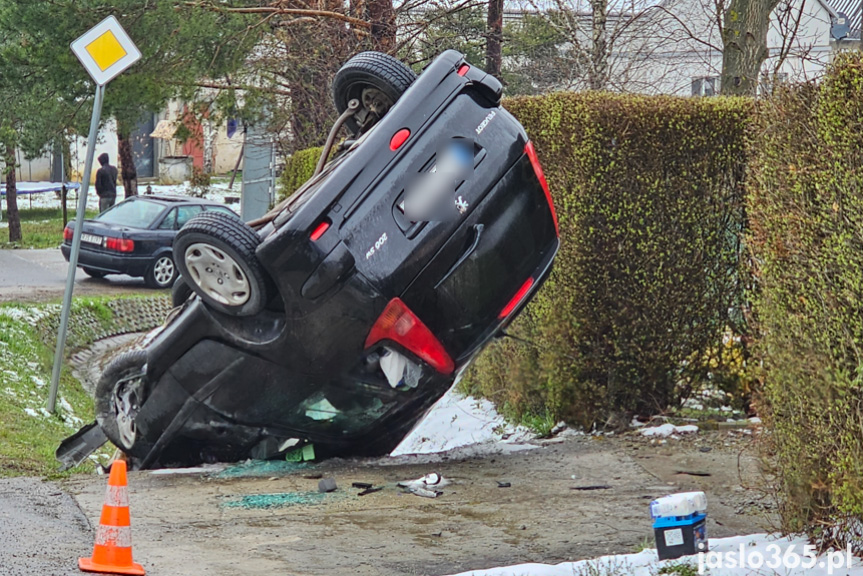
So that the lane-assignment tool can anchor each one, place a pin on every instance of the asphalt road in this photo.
(40, 275)
(42, 529)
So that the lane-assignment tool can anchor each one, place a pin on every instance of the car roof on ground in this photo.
(169, 199)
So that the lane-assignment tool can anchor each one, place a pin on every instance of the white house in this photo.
(674, 46)
(803, 38)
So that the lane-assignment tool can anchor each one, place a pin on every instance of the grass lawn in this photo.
(40, 227)
(29, 435)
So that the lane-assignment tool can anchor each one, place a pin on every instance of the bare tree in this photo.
(12, 197)
(744, 38)
(606, 42)
(494, 53)
(598, 72)
(128, 170)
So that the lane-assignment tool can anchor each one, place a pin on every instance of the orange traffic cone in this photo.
(112, 553)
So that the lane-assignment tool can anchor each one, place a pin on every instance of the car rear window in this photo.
(135, 213)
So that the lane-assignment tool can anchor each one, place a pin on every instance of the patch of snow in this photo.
(635, 423)
(755, 420)
(457, 422)
(767, 547)
(693, 404)
(30, 315)
(667, 430)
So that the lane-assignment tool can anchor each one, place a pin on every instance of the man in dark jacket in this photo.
(106, 183)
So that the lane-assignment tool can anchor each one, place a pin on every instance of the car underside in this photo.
(342, 316)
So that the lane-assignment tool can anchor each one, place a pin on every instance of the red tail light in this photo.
(516, 300)
(534, 160)
(320, 230)
(68, 234)
(399, 324)
(462, 70)
(120, 244)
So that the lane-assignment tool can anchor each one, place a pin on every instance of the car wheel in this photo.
(216, 257)
(94, 273)
(120, 393)
(377, 80)
(180, 292)
(162, 273)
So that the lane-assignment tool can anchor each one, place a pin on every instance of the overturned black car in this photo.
(342, 316)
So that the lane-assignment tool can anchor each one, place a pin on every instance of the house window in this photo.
(705, 86)
(770, 81)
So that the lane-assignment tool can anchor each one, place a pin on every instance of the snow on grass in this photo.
(667, 430)
(29, 314)
(761, 554)
(458, 422)
(22, 371)
(217, 192)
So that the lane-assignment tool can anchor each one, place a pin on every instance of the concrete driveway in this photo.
(39, 275)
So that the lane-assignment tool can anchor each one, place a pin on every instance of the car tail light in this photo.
(534, 160)
(320, 230)
(462, 70)
(120, 244)
(516, 300)
(399, 324)
(68, 234)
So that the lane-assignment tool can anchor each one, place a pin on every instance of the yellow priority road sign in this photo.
(106, 50)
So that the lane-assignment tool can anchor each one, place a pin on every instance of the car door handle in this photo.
(477, 231)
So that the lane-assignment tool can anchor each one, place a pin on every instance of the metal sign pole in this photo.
(76, 247)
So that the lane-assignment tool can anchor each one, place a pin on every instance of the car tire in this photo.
(94, 273)
(376, 79)
(162, 273)
(180, 292)
(216, 257)
(120, 393)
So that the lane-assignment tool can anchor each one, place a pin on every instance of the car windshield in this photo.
(134, 212)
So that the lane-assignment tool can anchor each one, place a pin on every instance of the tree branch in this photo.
(272, 10)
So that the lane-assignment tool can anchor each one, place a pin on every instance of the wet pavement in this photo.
(39, 275)
(42, 529)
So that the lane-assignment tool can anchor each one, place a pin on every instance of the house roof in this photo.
(851, 9)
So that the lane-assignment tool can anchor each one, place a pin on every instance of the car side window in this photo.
(222, 209)
(186, 213)
(170, 221)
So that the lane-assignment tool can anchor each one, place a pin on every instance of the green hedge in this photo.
(806, 210)
(648, 194)
(299, 167)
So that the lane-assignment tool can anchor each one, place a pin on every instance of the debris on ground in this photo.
(418, 491)
(428, 486)
(281, 500)
(327, 485)
(304, 454)
(432, 479)
(371, 490)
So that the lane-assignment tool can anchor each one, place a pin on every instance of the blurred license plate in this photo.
(91, 239)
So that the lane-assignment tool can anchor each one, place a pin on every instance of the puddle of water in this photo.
(267, 501)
